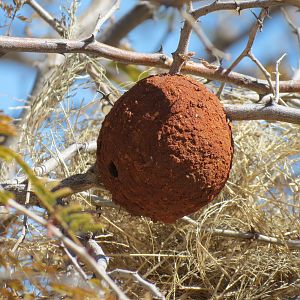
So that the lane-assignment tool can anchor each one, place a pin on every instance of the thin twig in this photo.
(52, 163)
(102, 19)
(120, 273)
(277, 92)
(258, 26)
(24, 225)
(46, 16)
(263, 69)
(75, 263)
(296, 31)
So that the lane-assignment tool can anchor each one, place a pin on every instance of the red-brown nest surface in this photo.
(165, 148)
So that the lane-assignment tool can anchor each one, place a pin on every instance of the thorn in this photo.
(89, 39)
(105, 97)
(238, 8)
(160, 49)
(61, 44)
(258, 20)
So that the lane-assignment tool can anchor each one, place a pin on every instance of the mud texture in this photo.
(165, 148)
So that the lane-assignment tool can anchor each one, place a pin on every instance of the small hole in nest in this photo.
(113, 169)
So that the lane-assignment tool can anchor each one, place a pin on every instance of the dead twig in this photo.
(54, 162)
(46, 16)
(120, 273)
(258, 26)
(277, 73)
(102, 19)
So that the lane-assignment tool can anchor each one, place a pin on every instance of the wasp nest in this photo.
(165, 148)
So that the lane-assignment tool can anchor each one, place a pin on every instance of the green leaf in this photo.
(5, 127)
(5, 196)
(43, 193)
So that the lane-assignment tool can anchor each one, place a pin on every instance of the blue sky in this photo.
(16, 80)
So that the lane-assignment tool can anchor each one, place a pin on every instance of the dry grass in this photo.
(184, 261)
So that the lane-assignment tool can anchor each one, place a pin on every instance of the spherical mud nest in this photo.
(165, 148)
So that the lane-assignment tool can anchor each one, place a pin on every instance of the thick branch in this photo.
(12, 44)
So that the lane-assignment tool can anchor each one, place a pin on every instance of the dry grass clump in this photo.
(187, 261)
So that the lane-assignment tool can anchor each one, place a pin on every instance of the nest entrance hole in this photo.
(113, 169)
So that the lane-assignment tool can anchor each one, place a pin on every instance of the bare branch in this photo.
(102, 19)
(263, 70)
(263, 112)
(180, 56)
(76, 183)
(24, 226)
(277, 92)
(53, 162)
(46, 16)
(173, 3)
(13, 44)
(240, 5)
(75, 263)
(120, 273)
(97, 253)
(140, 13)
(258, 26)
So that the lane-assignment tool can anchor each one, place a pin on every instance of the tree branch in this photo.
(126, 274)
(252, 34)
(240, 5)
(140, 13)
(54, 23)
(245, 235)
(14, 44)
(180, 56)
(263, 112)
(53, 162)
